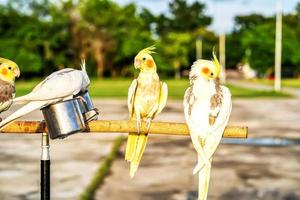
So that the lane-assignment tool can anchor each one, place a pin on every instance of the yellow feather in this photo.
(216, 62)
(148, 50)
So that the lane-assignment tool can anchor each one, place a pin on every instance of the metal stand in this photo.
(45, 168)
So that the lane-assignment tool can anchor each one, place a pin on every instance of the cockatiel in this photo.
(9, 70)
(58, 86)
(207, 107)
(147, 96)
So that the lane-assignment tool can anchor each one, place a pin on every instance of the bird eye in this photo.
(211, 74)
(9, 68)
(144, 58)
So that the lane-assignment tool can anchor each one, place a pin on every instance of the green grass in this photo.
(250, 93)
(295, 83)
(102, 172)
(118, 88)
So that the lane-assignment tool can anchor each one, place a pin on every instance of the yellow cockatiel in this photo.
(147, 96)
(9, 70)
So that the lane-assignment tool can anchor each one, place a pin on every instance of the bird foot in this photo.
(138, 126)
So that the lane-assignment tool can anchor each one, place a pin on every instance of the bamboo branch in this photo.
(105, 126)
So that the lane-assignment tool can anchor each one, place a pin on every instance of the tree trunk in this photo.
(177, 70)
(99, 56)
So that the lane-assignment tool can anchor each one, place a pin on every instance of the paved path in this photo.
(73, 160)
(166, 169)
(239, 172)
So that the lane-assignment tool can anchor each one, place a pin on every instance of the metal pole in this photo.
(222, 50)
(45, 168)
(278, 41)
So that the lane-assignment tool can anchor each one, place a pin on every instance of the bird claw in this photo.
(138, 126)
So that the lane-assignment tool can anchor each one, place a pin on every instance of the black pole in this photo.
(45, 168)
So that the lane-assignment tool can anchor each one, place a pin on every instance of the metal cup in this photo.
(87, 107)
(64, 118)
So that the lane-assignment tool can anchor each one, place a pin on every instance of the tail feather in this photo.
(25, 98)
(131, 141)
(133, 168)
(31, 106)
(135, 148)
(203, 182)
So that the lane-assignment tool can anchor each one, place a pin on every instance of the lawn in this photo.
(295, 83)
(118, 88)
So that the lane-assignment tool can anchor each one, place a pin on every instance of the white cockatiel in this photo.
(58, 86)
(207, 107)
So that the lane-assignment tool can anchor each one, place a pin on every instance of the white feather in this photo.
(205, 137)
(216, 131)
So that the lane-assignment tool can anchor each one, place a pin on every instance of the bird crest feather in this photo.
(148, 50)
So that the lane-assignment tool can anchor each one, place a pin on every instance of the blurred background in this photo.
(43, 36)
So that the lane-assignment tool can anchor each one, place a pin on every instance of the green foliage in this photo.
(44, 35)
(262, 42)
(30, 39)
(256, 33)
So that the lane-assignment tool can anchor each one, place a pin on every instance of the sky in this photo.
(223, 11)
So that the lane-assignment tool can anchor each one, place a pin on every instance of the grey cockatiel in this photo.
(9, 70)
(58, 86)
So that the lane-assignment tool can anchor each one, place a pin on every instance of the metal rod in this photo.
(105, 126)
(45, 168)
(222, 50)
(278, 46)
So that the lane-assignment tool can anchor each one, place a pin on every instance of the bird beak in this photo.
(137, 63)
(16, 72)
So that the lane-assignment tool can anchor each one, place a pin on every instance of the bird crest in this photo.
(83, 67)
(216, 61)
(148, 50)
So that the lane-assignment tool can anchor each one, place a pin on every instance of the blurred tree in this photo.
(115, 37)
(257, 33)
(180, 11)
(250, 21)
(261, 41)
(176, 50)
(177, 35)
(30, 37)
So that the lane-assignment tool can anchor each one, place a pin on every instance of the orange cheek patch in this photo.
(149, 63)
(4, 71)
(205, 70)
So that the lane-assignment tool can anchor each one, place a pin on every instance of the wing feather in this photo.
(131, 96)
(163, 97)
(58, 85)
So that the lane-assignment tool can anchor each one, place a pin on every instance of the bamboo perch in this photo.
(105, 126)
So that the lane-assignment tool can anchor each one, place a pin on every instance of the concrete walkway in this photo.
(239, 172)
